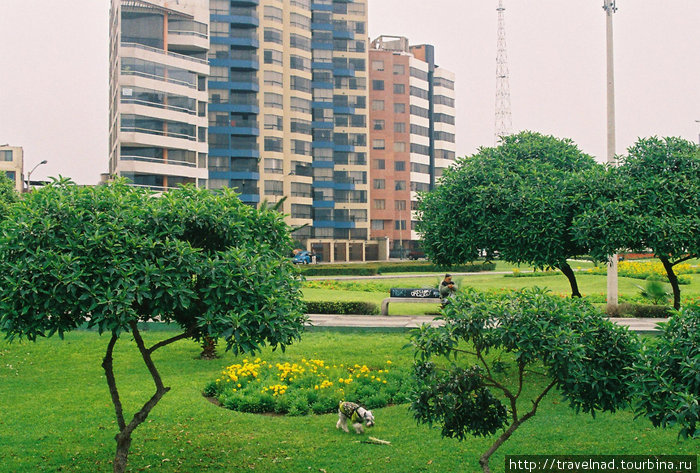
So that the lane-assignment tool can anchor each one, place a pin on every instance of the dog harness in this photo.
(349, 410)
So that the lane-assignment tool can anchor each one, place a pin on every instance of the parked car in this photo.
(302, 257)
(416, 254)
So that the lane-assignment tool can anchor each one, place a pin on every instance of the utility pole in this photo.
(504, 119)
(610, 8)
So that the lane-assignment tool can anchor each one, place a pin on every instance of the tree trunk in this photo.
(122, 455)
(673, 279)
(569, 273)
(208, 348)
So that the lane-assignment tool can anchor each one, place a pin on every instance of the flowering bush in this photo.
(307, 386)
(647, 269)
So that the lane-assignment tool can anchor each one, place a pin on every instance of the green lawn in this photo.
(589, 284)
(56, 416)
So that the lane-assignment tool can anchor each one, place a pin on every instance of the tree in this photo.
(667, 382)
(460, 370)
(650, 202)
(518, 200)
(8, 194)
(113, 256)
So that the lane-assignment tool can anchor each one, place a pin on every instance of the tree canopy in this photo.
(518, 200)
(492, 346)
(651, 201)
(114, 256)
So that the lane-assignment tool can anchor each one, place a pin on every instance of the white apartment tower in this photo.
(158, 92)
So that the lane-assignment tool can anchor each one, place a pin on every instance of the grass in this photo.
(589, 284)
(56, 416)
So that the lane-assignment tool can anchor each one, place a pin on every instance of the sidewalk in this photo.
(414, 321)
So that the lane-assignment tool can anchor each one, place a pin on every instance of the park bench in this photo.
(412, 296)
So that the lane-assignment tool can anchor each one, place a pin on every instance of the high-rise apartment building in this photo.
(412, 135)
(288, 115)
(12, 164)
(158, 96)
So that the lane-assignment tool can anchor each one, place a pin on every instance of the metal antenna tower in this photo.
(504, 120)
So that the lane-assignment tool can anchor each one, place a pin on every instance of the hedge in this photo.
(643, 311)
(342, 308)
(372, 269)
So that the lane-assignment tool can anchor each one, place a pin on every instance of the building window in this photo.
(377, 105)
(399, 127)
(379, 164)
(10, 175)
(378, 144)
(379, 184)
(273, 166)
(377, 224)
(273, 78)
(377, 65)
(399, 89)
(377, 85)
(378, 124)
(273, 187)
(299, 63)
(273, 35)
(273, 143)
(400, 185)
(272, 56)
(6, 155)
(399, 205)
(379, 204)
(399, 224)
(273, 100)
(399, 146)
(399, 108)
(273, 13)
(399, 70)
(399, 165)
(273, 122)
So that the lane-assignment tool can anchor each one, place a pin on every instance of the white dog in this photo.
(358, 415)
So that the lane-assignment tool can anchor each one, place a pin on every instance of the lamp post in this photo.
(610, 8)
(29, 175)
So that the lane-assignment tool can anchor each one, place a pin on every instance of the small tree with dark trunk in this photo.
(567, 343)
(652, 202)
(518, 199)
(114, 256)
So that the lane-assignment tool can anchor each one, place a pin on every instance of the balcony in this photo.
(167, 53)
(343, 34)
(237, 16)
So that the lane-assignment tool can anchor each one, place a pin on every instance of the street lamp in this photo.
(29, 175)
(610, 8)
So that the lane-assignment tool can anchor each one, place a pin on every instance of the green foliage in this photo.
(8, 194)
(518, 199)
(307, 386)
(655, 292)
(112, 255)
(641, 311)
(668, 375)
(341, 307)
(650, 202)
(583, 355)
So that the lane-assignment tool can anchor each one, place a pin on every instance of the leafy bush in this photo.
(342, 307)
(307, 386)
(534, 274)
(667, 383)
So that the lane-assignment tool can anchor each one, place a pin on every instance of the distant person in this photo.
(447, 288)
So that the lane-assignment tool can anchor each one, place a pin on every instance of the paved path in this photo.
(413, 321)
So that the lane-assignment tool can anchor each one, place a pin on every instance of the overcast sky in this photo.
(54, 72)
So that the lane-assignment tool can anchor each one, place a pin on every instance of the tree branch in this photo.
(146, 355)
(108, 366)
(683, 259)
(491, 379)
(168, 341)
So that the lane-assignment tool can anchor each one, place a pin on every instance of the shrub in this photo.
(667, 382)
(374, 268)
(307, 386)
(342, 307)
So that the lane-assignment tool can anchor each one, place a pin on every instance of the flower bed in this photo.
(307, 386)
(644, 270)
